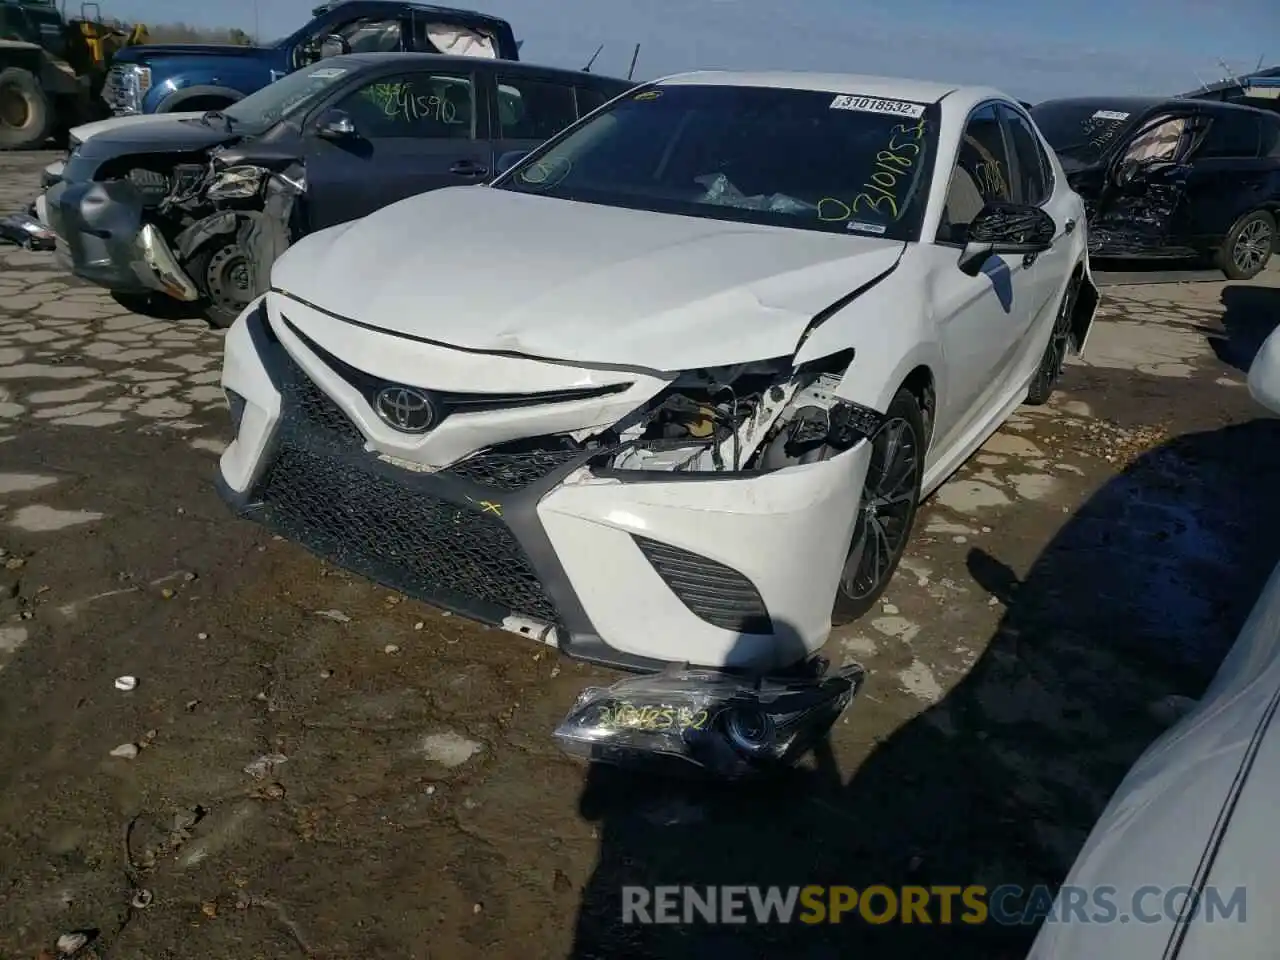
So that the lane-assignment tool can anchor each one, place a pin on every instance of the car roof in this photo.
(955, 98)
(452, 12)
(920, 91)
(1119, 104)
(370, 60)
(1135, 105)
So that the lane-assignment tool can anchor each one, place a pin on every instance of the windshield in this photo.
(789, 158)
(287, 95)
(1082, 133)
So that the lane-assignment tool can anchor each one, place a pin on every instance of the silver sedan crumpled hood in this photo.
(495, 270)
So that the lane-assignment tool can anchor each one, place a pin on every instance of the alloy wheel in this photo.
(888, 504)
(1061, 335)
(1253, 246)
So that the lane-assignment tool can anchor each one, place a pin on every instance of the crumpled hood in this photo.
(496, 270)
(176, 136)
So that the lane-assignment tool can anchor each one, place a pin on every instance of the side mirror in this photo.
(1264, 373)
(1005, 228)
(336, 125)
(333, 46)
(509, 160)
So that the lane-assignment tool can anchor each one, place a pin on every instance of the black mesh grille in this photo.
(509, 468)
(311, 408)
(390, 532)
(716, 593)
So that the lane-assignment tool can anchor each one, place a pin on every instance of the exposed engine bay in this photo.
(751, 417)
(226, 220)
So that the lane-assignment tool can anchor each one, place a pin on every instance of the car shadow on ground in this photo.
(159, 307)
(1138, 597)
(1249, 315)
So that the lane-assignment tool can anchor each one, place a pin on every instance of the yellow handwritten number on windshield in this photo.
(880, 192)
(841, 212)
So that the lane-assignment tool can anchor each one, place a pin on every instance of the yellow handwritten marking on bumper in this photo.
(488, 506)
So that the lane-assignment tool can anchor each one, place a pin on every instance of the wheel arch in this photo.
(1086, 306)
(920, 382)
(206, 96)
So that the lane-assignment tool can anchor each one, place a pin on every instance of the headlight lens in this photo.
(708, 722)
(236, 183)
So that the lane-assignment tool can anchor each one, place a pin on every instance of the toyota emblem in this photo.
(405, 409)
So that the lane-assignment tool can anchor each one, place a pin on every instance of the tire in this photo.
(1055, 351)
(897, 481)
(1248, 246)
(213, 268)
(26, 112)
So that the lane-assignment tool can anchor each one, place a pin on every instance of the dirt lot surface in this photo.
(327, 769)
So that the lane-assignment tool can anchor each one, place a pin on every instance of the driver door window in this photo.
(1160, 141)
(981, 174)
(1035, 180)
(417, 106)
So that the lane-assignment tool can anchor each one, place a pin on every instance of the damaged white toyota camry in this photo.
(669, 389)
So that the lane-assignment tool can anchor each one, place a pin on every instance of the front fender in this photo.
(887, 328)
(195, 236)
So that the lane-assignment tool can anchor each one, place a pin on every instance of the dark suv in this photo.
(1175, 179)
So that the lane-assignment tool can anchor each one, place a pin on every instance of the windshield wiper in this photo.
(211, 115)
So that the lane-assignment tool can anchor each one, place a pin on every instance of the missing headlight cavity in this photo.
(755, 416)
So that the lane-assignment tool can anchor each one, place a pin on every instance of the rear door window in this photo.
(533, 109)
(590, 99)
(1271, 137)
(1232, 135)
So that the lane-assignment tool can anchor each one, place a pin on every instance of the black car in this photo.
(1176, 179)
(198, 208)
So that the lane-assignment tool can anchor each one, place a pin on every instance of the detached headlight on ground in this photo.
(704, 721)
(236, 183)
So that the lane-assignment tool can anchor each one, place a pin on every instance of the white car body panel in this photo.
(529, 294)
(1198, 808)
(1181, 800)
(682, 292)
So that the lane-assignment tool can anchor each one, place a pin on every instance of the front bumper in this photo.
(102, 238)
(703, 569)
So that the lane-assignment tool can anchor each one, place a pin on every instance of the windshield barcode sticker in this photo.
(1110, 115)
(893, 108)
(326, 73)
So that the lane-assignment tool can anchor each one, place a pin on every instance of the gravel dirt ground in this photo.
(327, 769)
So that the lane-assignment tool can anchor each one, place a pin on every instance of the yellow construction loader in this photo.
(52, 68)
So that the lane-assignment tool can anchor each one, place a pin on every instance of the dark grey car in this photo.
(198, 208)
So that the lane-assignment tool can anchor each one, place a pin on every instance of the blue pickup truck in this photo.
(163, 78)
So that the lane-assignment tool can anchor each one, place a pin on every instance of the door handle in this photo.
(1069, 226)
(468, 168)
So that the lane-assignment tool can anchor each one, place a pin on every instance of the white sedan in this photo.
(671, 387)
